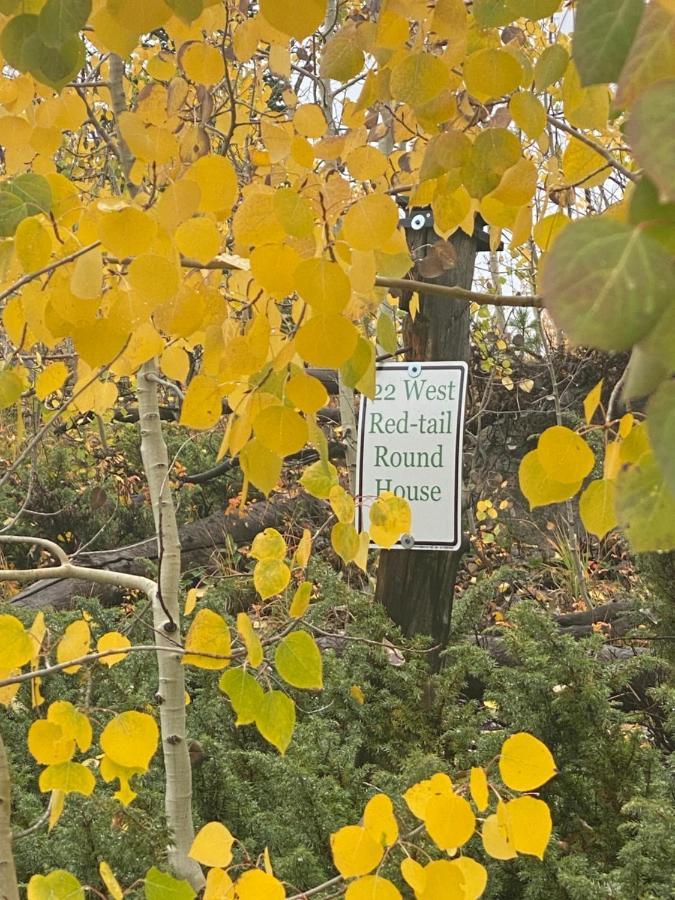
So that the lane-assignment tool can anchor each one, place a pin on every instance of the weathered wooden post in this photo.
(416, 586)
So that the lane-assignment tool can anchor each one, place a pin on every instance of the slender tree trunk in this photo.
(417, 586)
(8, 885)
(166, 616)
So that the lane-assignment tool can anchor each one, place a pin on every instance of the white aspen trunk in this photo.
(8, 885)
(166, 616)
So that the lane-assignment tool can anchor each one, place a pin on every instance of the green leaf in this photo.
(644, 374)
(12, 211)
(550, 67)
(386, 332)
(62, 19)
(187, 10)
(651, 57)
(54, 66)
(7, 7)
(603, 34)
(651, 132)
(645, 507)
(359, 363)
(162, 886)
(490, 13)
(33, 191)
(657, 219)
(606, 284)
(246, 695)
(661, 429)
(298, 661)
(13, 40)
(10, 388)
(276, 719)
(534, 9)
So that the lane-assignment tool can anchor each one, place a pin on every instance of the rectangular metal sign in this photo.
(410, 443)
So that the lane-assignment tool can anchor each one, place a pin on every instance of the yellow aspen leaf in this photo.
(112, 885)
(33, 244)
(300, 601)
(9, 691)
(58, 885)
(525, 763)
(273, 267)
(270, 577)
(86, 280)
(48, 744)
(418, 78)
(112, 640)
(67, 777)
(208, 633)
(254, 650)
(441, 879)
(546, 230)
(528, 113)
(323, 284)
(592, 401)
(538, 487)
(326, 340)
(584, 107)
(198, 239)
(564, 455)
(370, 222)
(219, 886)
(212, 845)
(518, 184)
(51, 379)
(449, 820)
(299, 20)
(11, 388)
(75, 642)
(491, 73)
(202, 406)
(597, 507)
(380, 821)
(275, 719)
(342, 504)
(345, 541)
(583, 166)
(268, 544)
(450, 208)
(202, 63)
(356, 693)
(635, 445)
(475, 876)
(217, 182)
(110, 770)
(303, 550)
(612, 465)
(626, 425)
(126, 232)
(261, 466)
(478, 785)
(293, 212)
(156, 278)
(175, 363)
(389, 519)
(309, 120)
(256, 885)
(280, 429)
(355, 851)
(130, 740)
(372, 887)
(58, 799)
(319, 478)
(361, 557)
(298, 661)
(528, 823)
(306, 393)
(341, 58)
(302, 152)
(419, 795)
(72, 722)
(495, 839)
(177, 203)
(366, 163)
(413, 874)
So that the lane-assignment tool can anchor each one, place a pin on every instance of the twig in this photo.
(31, 276)
(458, 293)
(603, 151)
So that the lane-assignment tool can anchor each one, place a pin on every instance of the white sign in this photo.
(410, 443)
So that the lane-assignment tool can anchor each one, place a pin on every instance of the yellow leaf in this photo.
(212, 845)
(298, 661)
(293, 212)
(130, 740)
(319, 478)
(297, 20)
(111, 640)
(33, 244)
(208, 633)
(260, 466)
(372, 887)
(217, 182)
(341, 57)
(86, 280)
(268, 544)
(592, 401)
(306, 393)
(495, 839)
(16, 643)
(413, 874)
(280, 429)
(356, 693)
(449, 820)
(175, 363)
(111, 883)
(202, 406)
(300, 601)
(323, 284)
(361, 557)
(155, 278)
(389, 519)
(528, 113)
(275, 719)
(355, 852)
(370, 222)
(596, 507)
(418, 78)
(547, 230)
(219, 886)
(419, 795)
(441, 879)
(564, 455)
(380, 821)
(58, 885)
(626, 425)
(525, 763)
(309, 120)
(270, 577)
(202, 63)
(342, 504)
(75, 642)
(198, 239)
(474, 874)
(528, 823)
(366, 163)
(127, 231)
(326, 340)
(48, 744)
(109, 770)
(67, 777)
(9, 691)
(254, 650)
(72, 722)
(273, 267)
(50, 379)
(583, 166)
(538, 487)
(258, 885)
(491, 73)
(478, 785)
(58, 799)
(345, 540)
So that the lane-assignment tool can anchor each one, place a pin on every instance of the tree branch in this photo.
(31, 276)
(458, 293)
(594, 145)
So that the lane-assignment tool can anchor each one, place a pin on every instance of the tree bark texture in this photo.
(8, 886)
(417, 586)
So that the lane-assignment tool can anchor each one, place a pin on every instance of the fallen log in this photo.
(202, 544)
